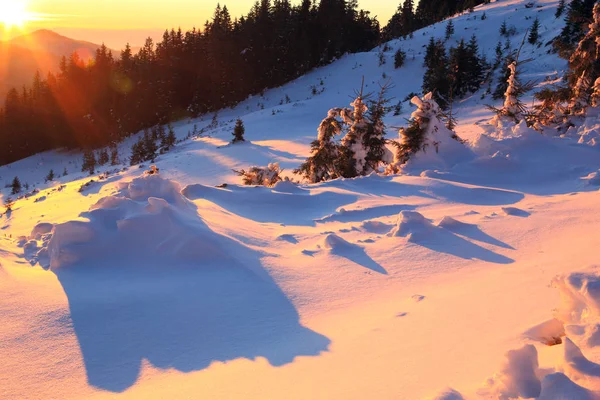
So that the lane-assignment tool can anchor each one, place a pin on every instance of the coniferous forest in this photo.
(95, 104)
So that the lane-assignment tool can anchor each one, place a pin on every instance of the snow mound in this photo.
(518, 377)
(578, 366)
(333, 242)
(558, 386)
(548, 332)
(448, 394)
(453, 224)
(147, 223)
(412, 224)
(375, 227)
(580, 297)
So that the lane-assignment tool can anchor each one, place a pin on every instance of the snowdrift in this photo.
(146, 278)
(575, 377)
(147, 223)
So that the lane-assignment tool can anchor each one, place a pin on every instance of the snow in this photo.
(471, 275)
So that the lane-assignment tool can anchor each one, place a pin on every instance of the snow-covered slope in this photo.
(388, 287)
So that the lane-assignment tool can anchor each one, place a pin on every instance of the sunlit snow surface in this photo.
(448, 282)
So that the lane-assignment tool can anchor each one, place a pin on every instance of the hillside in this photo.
(41, 50)
(187, 284)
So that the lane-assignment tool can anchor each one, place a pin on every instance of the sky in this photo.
(116, 22)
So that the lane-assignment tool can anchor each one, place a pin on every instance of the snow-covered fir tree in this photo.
(374, 141)
(595, 97)
(362, 148)
(513, 109)
(322, 163)
(354, 152)
(580, 99)
(584, 64)
(426, 134)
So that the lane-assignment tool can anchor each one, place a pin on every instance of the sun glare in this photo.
(13, 13)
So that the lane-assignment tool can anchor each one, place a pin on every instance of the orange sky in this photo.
(116, 22)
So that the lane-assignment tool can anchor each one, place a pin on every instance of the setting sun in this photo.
(13, 13)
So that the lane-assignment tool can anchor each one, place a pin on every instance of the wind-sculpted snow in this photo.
(532, 163)
(283, 203)
(421, 231)
(576, 377)
(147, 278)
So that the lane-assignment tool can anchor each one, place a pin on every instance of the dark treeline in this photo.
(407, 19)
(95, 104)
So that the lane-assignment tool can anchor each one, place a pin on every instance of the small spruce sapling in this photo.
(238, 131)
(89, 162)
(103, 157)
(399, 58)
(50, 176)
(114, 156)
(449, 29)
(534, 33)
(15, 186)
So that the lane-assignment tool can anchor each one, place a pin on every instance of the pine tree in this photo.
(352, 160)
(513, 108)
(580, 99)
(137, 152)
(89, 162)
(168, 140)
(399, 58)
(16, 186)
(499, 55)
(437, 78)
(50, 176)
(149, 146)
(585, 59)
(374, 141)
(103, 157)
(114, 156)
(475, 65)
(560, 9)
(425, 133)
(503, 79)
(459, 69)
(534, 32)
(322, 165)
(449, 29)
(595, 97)
(579, 16)
(238, 131)
(503, 29)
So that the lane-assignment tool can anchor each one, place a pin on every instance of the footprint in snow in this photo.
(418, 298)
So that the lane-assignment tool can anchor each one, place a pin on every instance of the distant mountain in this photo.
(41, 50)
